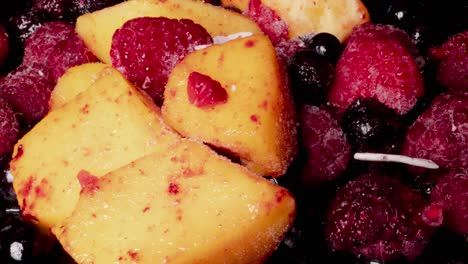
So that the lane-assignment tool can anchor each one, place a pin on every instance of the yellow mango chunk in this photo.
(182, 204)
(74, 81)
(97, 28)
(101, 129)
(337, 17)
(256, 123)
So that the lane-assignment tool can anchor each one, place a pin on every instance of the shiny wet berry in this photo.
(326, 45)
(371, 126)
(310, 77)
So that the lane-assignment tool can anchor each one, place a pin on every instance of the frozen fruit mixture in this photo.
(381, 100)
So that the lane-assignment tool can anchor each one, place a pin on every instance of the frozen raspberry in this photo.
(287, 48)
(42, 42)
(379, 67)
(9, 127)
(146, 49)
(267, 19)
(451, 192)
(373, 30)
(28, 90)
(205, 92)
(68, 53)
(381, 219)
(440, 133)
(326, 147)
(4, 44)
(452, 59)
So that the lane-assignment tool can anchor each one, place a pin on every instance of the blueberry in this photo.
(326, 45)
(370, 126)
(311, 76)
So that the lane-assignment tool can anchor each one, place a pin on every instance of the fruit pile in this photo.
(356, 110)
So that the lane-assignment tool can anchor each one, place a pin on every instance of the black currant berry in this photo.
(326, 45)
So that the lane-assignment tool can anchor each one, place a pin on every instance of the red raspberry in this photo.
(267, 19)
(441, 132)
(68, 53)
(378, 66)
(42, 42)
(9, 128)
(205, 92)
(381, 219)
(28, 90)
(326, 146)
(4, 44)
(452, 62)
(373, 30)
(451, 192)
(146, 49)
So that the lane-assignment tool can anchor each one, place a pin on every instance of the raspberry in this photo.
(381, 219)
(452, 60)
(28, 90)
(205, 92)
(285, 49)
(9, 128)
(373, 30)
(451, 192)
(325, 144)
(4, 44)
(43, 40)
(68, 53)
(146, 49)
(379, 67)
(440, 133)
(267, 19)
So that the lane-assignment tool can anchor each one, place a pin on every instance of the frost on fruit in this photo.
(146, 49)
(268, 20)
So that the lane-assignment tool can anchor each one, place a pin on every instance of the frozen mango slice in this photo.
(183, 204)
(101, 129)
(255, 122)
(96, 29)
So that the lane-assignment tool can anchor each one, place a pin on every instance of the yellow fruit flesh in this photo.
(74, 81)
(337, 17)
(183, 204)
(102, 129)
(257, 121)
(96, 29)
